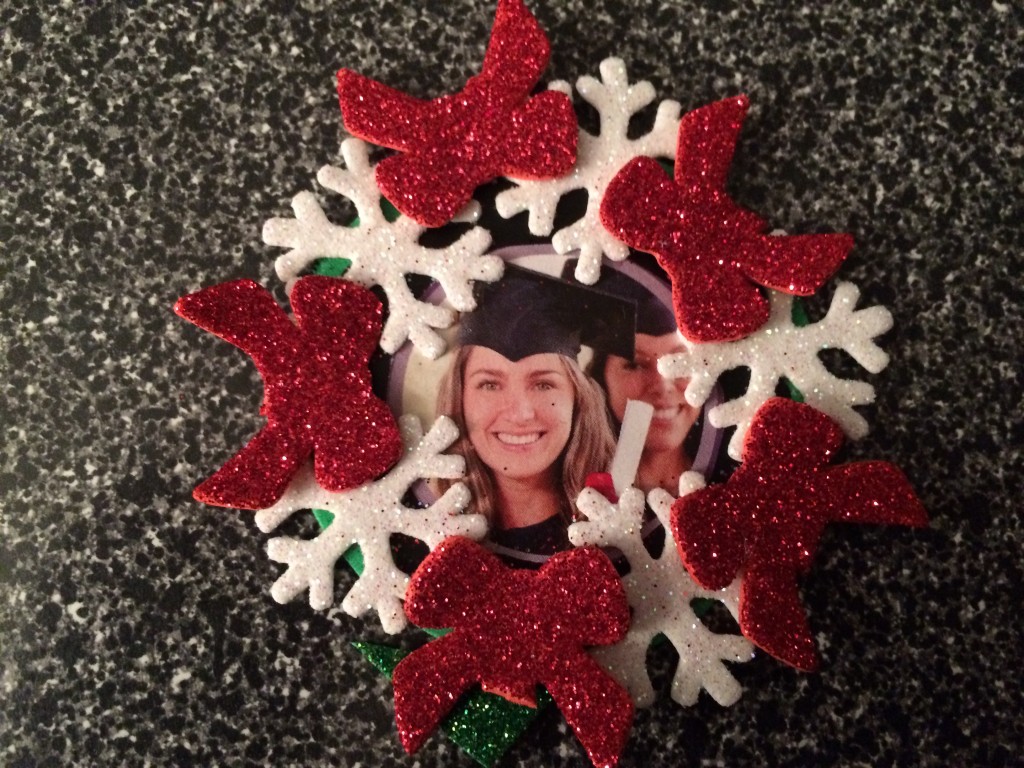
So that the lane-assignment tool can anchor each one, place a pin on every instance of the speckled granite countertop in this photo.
(142, 149)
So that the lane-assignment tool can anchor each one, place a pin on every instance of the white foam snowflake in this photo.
(782, 349)
(599, 159)
(659, 590)
(383, 253)
(367, 516)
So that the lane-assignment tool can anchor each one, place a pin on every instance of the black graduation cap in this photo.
(528, 313)
(653, 317)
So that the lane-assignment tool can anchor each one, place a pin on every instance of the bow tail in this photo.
(596, 707)
(714, 304)
(359, 444)
(772, 617)
(430, 187)
(707, 537)
(428, 683)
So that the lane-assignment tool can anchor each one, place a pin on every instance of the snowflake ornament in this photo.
(383, 253)
(659, 590)
(731, 282)
(599, 159)
(781, 349)
(367, 516)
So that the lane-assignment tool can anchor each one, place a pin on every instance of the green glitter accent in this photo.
(323, 517)
(799, 313)
(794, 393)
(353, 555)
(383, 657)
(484, 725)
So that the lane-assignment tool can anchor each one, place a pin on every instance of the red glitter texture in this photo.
(317, 396)
(767, 520)
(451, 145)
(715, 252)
(512, 630)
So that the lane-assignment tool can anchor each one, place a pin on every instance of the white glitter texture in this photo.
(782, 349)
(383, 253)
(367, 516)
(599, 159)
(659, 592)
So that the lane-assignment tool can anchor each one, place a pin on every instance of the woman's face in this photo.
(639, 380)
(518, 414)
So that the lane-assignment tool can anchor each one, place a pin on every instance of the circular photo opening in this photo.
(541, 379)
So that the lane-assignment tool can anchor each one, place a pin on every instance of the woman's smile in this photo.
(518, 440)
(667, 413)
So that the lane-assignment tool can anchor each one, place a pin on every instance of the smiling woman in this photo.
(636, 377)
(533, 426)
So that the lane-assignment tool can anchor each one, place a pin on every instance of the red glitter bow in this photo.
(768, 517)
(512, 630)
(715, 252)
(317, 395)
(453, 144)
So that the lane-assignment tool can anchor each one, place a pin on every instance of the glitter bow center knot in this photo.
(511, 631)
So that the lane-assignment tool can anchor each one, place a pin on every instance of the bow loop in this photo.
(455, 587)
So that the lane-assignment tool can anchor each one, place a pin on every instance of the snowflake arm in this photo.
(781, 349)
(599, 159)
(383, 253)
(367, 516)
(659, 592)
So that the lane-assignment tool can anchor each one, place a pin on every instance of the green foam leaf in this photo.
(332, 267)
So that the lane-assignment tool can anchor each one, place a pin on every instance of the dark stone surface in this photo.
(142, 148)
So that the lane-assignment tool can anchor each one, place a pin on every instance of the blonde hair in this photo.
(589, 448)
